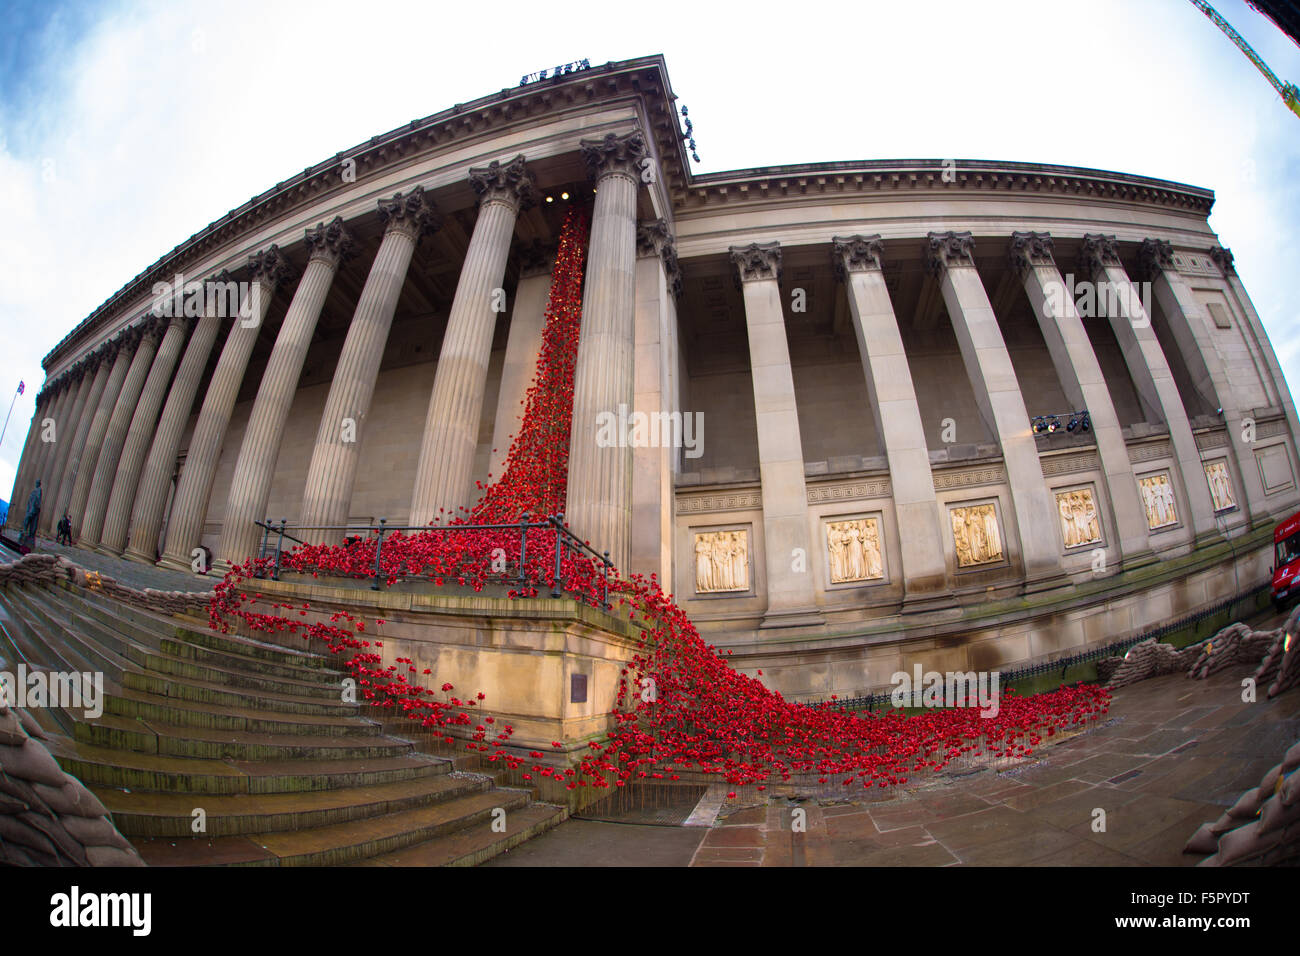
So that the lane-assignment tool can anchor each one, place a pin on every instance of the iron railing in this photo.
(564, 541)
(1063, 664)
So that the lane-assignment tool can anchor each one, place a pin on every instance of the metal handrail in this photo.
(564, 539)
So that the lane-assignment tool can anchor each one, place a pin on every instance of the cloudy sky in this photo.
(125, 127)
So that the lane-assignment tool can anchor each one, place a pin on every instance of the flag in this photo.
(21, 386)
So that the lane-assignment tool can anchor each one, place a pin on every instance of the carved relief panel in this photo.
(1080, 524)
(1216, 474)
(1158, 499)
(721, 561)
(976, 535)
(854, 551)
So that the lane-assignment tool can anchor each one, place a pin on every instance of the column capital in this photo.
(413, 214)
(1029, 249)
(1223, 259)
(756, 261)
(1097, 252)
(331, 244)
(1156, 256)
(946, 250)
(615, 155)
(654, 238)
(269, 267)
(511, 183)
(857, 254)
(536, 257)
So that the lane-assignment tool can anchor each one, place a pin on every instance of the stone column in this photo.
(892, 396)
(791, 598)
(1224, 260)
(140, 436)
(126, 343)
(83, 374)
(658, 286)
(1099, 258)
(267, 270)
(599, 501)
(22, 476)
(155, 480)
(328, 246)
(1085, 387)
(110, 453)
(104, 358)
(1187, 325)
(523, 347)
(950, 256)
(331, 475)
(446, 463)
(49, 438)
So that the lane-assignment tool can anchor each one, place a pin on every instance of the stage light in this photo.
(550, 199)
(564, 195)
(1086, 424)
(1053, 424)
(1074, 424)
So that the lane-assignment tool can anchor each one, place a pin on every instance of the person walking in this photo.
(65, 529)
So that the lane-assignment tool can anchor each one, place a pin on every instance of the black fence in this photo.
(563, 542)
(1063, 664)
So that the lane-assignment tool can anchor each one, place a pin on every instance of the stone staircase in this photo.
(254, 735)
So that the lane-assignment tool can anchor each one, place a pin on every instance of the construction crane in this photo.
(1288, 91)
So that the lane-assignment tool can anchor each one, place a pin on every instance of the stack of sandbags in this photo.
(1235, 644)
(1280, 668)
(1262, 828)
(50, 569)
(1106, 668)
(1148, 658)
(48, 818)
(31, 569)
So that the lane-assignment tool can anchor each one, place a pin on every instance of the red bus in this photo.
(1286, 553)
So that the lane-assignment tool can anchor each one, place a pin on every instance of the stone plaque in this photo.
(1158, 499)
(975, 534)
(1274, 468)
(721, 561)
(853, 550)
(1079, 523)
(1216, 474)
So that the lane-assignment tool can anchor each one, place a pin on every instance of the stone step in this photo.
(338, 843)
(129, 770)
(16, 648)
(143, 814)
(152, 628)
(168, 685)
(477, 844)
(132, 703)
(145, 736)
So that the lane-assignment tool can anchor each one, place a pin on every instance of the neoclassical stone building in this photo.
(870, 360)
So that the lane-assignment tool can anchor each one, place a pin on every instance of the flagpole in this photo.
(7, 414)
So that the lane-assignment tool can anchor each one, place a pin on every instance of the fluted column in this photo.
(1224, 260)
(139, 437)
(997, 393)
(190, 506)
(658, 285)
(446, 463)
(61, 498)
(523, 347)
(127, 343)
(52, 427)
(155, 479)
(25, 464)
(599, 500)
(331, 475)
(791, 595)
(250, 487)
(1187, 326)
(83, 374)
(110, 453)
(1085, 387)
(1154, 382)
(892, 401)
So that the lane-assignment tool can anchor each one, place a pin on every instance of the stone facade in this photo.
(863, 364)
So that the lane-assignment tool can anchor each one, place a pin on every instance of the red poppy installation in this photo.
(682, 709)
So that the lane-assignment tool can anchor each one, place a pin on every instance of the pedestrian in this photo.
(65, 529)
